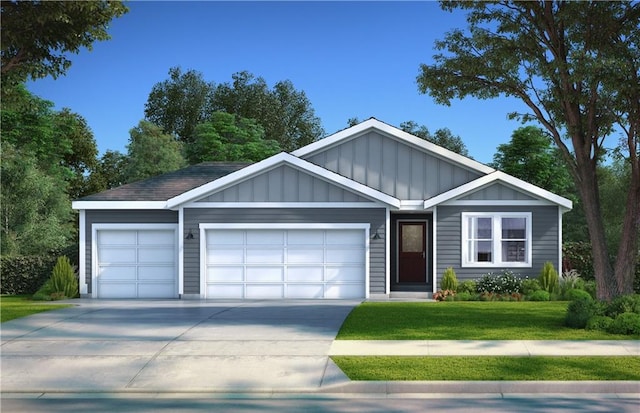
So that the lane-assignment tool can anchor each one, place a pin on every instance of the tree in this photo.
(151, 152)
(285, 113)
(531, 157)
(38, 35)
(108, 173)
(229, 138)
(575, 65)
(442, 137)
(180, 103)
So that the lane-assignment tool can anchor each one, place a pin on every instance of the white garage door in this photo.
(136, 263)
(285, 263)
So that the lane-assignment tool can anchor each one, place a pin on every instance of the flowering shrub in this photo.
(505, 283)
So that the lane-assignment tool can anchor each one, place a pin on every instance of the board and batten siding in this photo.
(393, 167)
(497, 192)
(284, 184)
(193, 217)
(545, 239)
(120, 217)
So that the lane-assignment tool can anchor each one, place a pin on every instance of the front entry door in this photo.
(412, 252)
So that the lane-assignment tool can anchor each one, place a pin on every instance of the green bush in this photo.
(464, 296)
(590, 287)
(538, 295)
(529, 286)
(549, 278)
(468, 286)
(580, 311)
(626, 323)
(24, 274)
(599, 322)
(62, 284)
(574, 294)
(449, 280)
(505, 283)
(624, 304)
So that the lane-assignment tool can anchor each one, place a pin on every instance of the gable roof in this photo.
(498, 176)
(275, 161)
(384, 128)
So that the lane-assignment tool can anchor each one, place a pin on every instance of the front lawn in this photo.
(16, 306)
(489, 368)
(469, 320)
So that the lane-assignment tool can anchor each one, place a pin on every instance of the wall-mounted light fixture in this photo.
(189, 235)
(376, 235)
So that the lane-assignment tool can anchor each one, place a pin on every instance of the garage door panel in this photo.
(119, 290)
(221, 237)
(343, 291)
(265, 237)
(305, 255)
(230, 291)
(265, 291)
(156, 273)
(305, 237)
(222, 274)
(345, 256)
(225, 256)
(343, 273)
(155, 290)
(345, 237)
(117, 273)
(106, 237)
(155, 255)
(305, 290)
(305, 273)
(111, 255)
(265, 274)
(156, 238)
(265, 256)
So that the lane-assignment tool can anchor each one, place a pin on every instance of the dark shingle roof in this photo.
(169, 185)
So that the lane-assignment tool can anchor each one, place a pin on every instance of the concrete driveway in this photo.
(173, 346)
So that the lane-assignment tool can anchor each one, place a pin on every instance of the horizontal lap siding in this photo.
(121, 217)
(545, 239)
(194, 217)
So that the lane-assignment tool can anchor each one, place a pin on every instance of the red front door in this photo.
(412, 252)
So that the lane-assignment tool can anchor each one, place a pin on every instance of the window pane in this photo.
(514, 228)
(513, 251)
(412, 238)
(483, 251)
(483, 228)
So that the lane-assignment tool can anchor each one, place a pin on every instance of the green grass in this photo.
(573, 368)
(16, 306)
(465, 321)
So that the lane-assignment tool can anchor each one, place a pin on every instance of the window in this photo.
(496, 239)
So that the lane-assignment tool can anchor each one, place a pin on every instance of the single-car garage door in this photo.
(285, 263)
(135, 263)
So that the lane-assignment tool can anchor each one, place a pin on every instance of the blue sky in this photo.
(355, 59)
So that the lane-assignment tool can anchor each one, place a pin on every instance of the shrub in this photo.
(62, 284)
(468, 286)
(449, 280)
(464, 296)
(580, 311)
(529, 286)
(590, 287)
(573, 294)
(538, 295)
(548, 278)
(626, 323)
(624, 304)
(577, 256)
(599, 322)
(505, 283)
(568, 281)
(24, 274)
(443, 294)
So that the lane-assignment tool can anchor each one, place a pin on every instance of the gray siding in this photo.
(374, 216)
(498, 192)
(393, 167)
(121, 217)
(545, 240)
(284, 184)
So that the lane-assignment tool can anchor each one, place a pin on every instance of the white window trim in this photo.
(497, 240)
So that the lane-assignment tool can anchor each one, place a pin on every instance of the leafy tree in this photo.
(575, 65)
(442, 137)
(531, 157)
(108, 173)
(36, 212)
(37, 36)
(230, 138)
(151, 152)
(285, 113)
(180, 103)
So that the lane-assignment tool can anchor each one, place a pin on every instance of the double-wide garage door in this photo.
(285, 263)
(136, 263)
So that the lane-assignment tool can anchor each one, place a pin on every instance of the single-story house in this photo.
(366, 212)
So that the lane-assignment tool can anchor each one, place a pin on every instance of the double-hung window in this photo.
(496, 239)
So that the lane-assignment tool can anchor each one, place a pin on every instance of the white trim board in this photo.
(119, 205)
(282, 205)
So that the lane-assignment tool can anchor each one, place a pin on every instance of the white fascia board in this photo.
(80, 205)
(399, 134)
(501, 177)
(277, 160)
